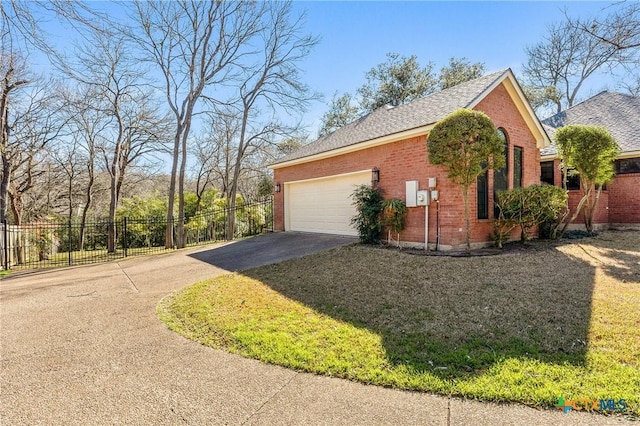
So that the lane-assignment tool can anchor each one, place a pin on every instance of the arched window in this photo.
(500, 182)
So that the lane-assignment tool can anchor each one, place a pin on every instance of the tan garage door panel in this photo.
(323, 205)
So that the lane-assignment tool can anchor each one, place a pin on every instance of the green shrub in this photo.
(43, 240)
(394, 213)
(368, 203)
(527, 208)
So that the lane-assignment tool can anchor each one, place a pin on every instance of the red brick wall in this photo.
(602, 210)
(624, 199)
(407, 160)
(619, 203)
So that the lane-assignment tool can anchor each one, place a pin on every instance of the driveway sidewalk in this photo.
(84, 346)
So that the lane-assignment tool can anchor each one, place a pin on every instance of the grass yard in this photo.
(529, 326)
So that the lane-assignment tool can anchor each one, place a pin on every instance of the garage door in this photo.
(323, 205)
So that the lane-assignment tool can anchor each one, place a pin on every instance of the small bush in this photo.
(394, 213)
(501, 231)
(368, 203)
(527, 208)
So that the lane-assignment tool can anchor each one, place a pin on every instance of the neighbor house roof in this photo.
(389, 123)
(617, 112)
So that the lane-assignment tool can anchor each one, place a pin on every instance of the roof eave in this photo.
(548, 157)
(622, 155)
(629, 154)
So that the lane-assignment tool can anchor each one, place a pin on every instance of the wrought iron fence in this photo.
(67, 243)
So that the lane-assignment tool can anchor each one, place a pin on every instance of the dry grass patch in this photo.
(523, 326)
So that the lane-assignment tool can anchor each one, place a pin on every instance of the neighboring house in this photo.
(314, 184)
(619, 204)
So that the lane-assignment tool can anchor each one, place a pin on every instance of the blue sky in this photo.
(355, 36)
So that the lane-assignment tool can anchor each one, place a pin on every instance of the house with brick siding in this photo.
(313, 185)
(619, 204)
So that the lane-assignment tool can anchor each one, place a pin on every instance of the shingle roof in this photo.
(391, 120)
(551, 149)
(617, 112)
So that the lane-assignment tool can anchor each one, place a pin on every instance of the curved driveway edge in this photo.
(84, 346)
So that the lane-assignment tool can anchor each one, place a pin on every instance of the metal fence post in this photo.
(6, 245)
(124, 235)
(69, 243)
(225, 224)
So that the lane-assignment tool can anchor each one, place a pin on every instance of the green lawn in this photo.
(528, 326)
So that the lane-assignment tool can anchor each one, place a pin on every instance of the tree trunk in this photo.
(6, 162)
(237, 167)
(4, 187)
(467, 219)
(114, 174)
(590, 208)
(168, 235)
(113, 204)
(85, 212)
(575, 214)
(16, 209)
(232, 206)
(180, 234)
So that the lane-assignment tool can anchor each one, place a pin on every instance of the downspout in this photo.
(437, 224)
(426, 227)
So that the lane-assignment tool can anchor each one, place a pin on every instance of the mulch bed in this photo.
(511, 247)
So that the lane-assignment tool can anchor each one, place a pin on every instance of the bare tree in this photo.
(130, 127)
(14, 76)
(214, 153)
(36, 127)
(47, 197)
(195, 46)
(272, 84)
(31, 126)
(69, 161)
(88, 125)
(620, 28)
(203, 169)
(632, 86)
(30, 123)
(558, 67)
(19, 27)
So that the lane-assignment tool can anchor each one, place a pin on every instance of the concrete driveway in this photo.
(84, 346)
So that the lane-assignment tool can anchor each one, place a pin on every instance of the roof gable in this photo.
(617, 112)
(388, 124)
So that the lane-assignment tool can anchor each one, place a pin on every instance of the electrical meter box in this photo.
(412, 193)
(423, 198)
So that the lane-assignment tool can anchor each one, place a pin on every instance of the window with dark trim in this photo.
(573, 180)
(517, 167)
(500, 182)
(628, 165)
(547, 172)
(483, 196)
